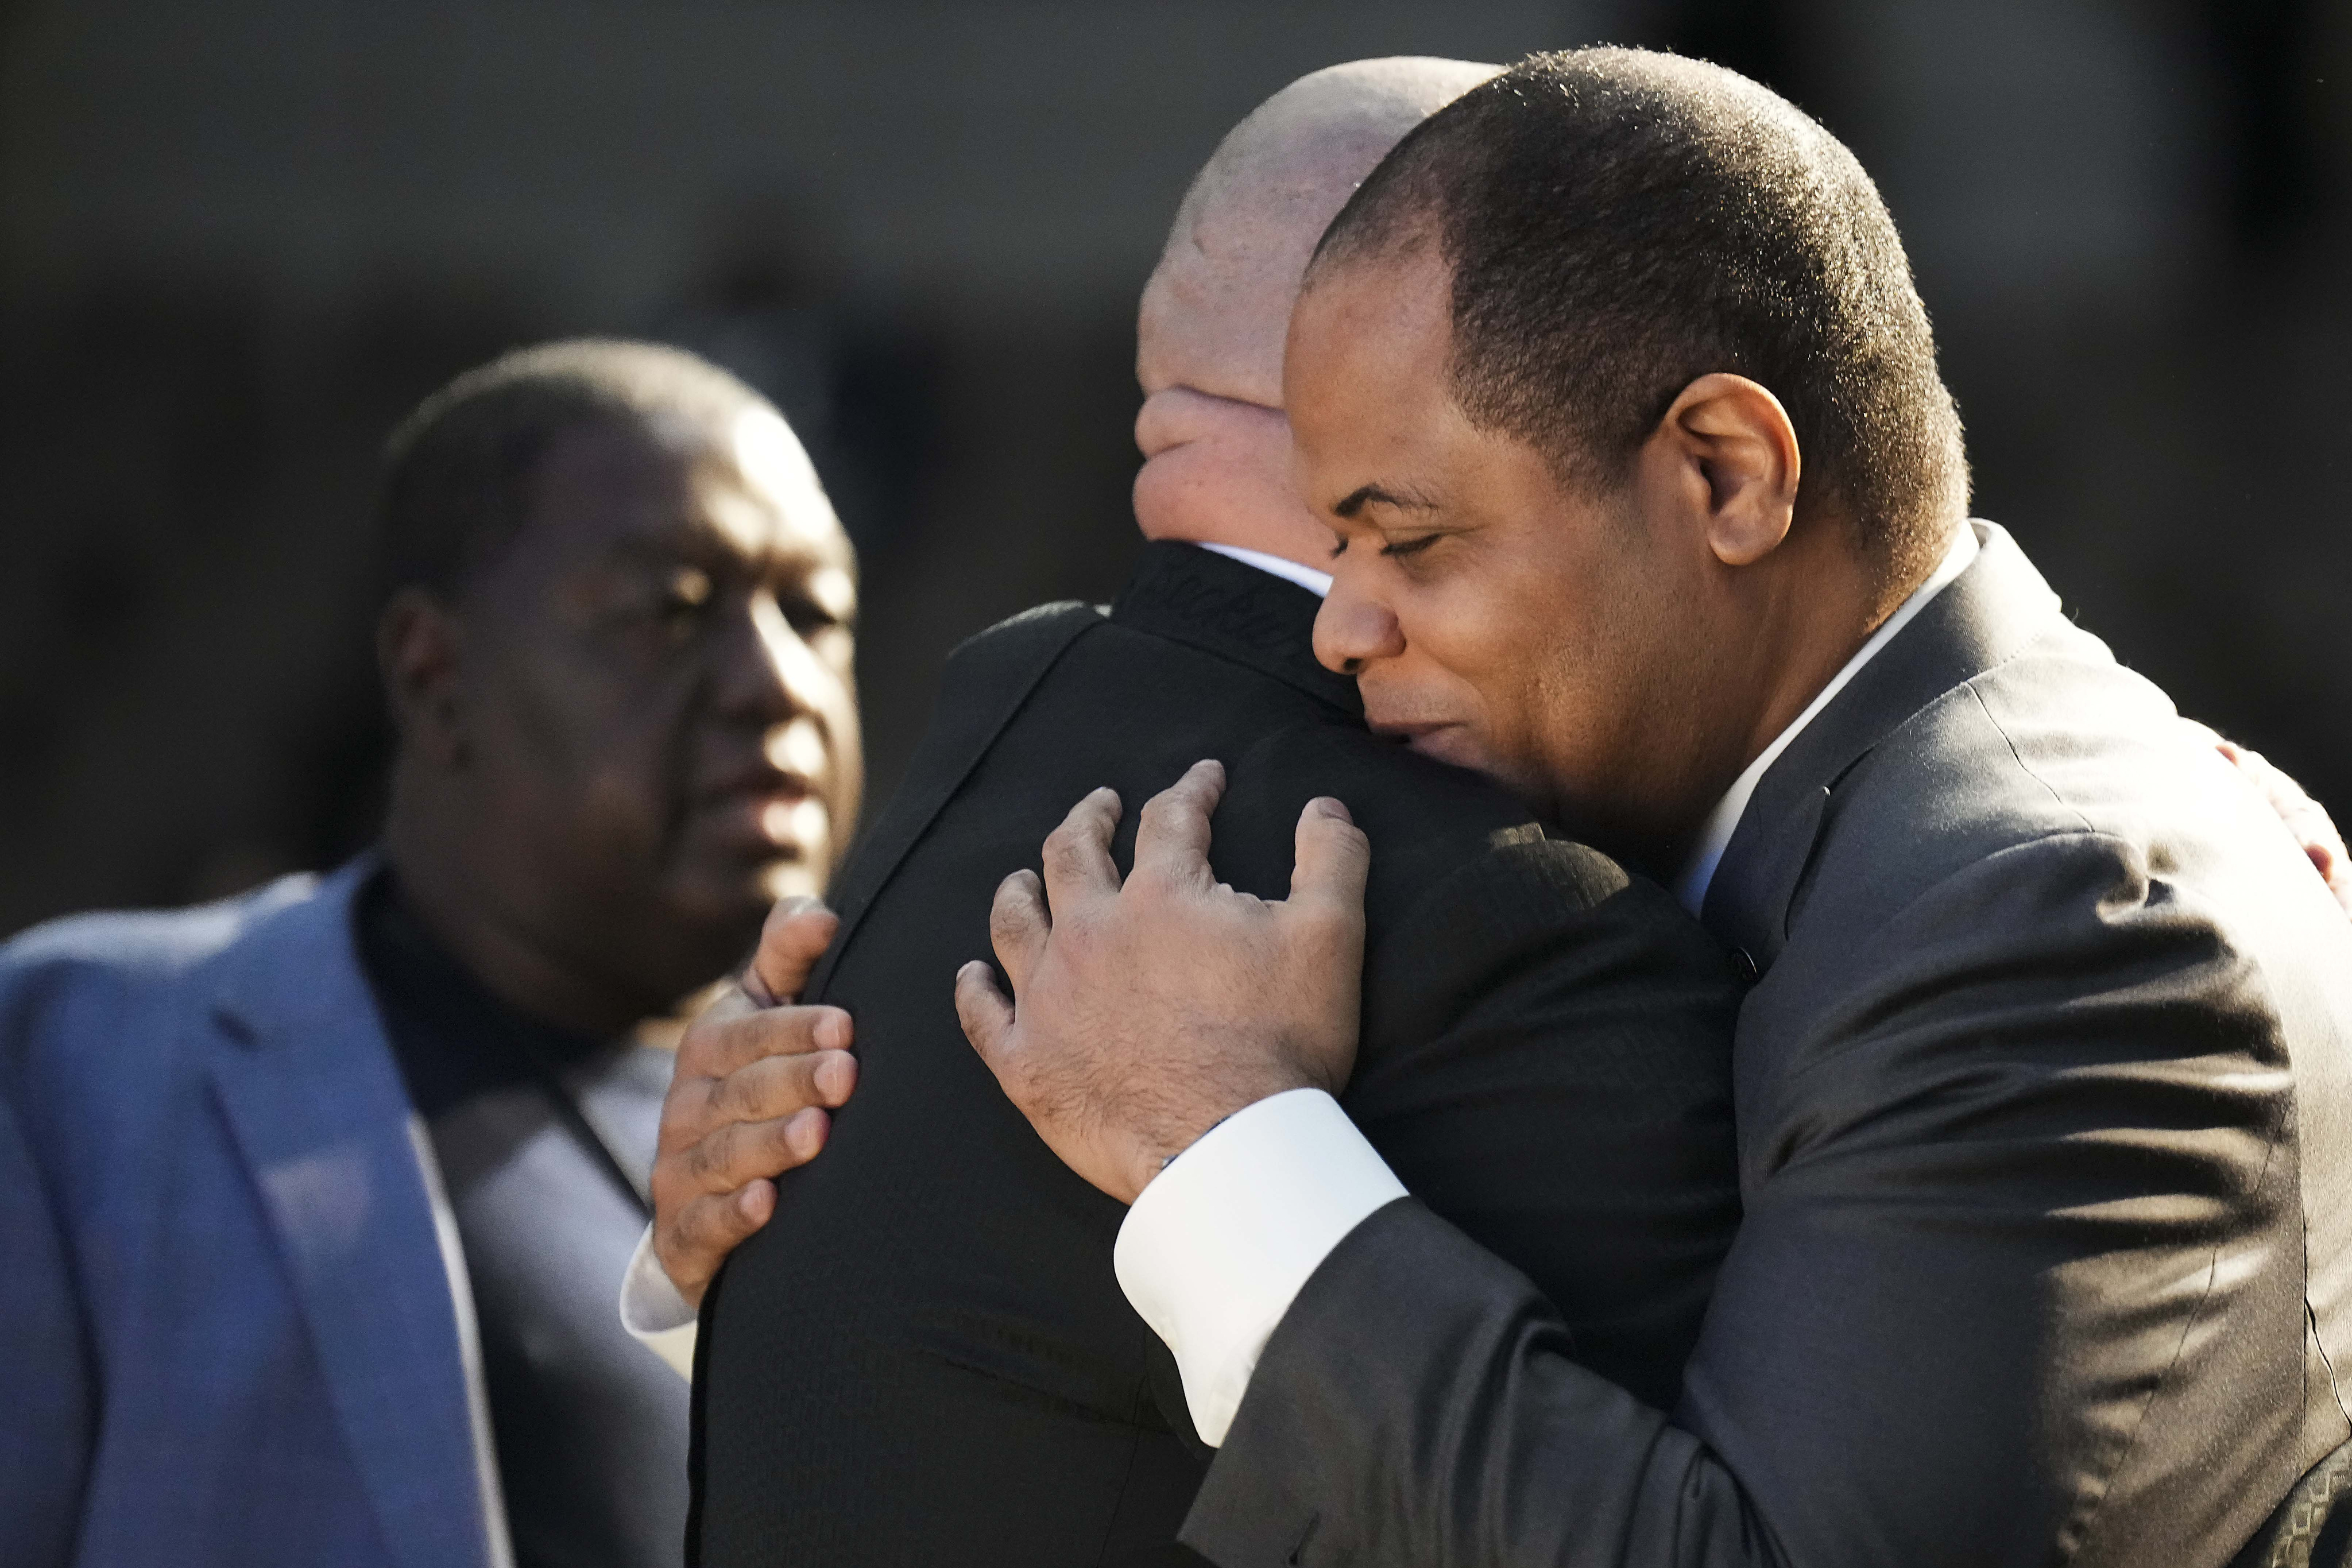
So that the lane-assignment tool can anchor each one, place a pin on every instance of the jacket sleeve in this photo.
(1547, 1066)
(2004, 1185)
(46, 1380)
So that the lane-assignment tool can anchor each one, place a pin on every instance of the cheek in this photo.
(562, 726)
(832, 690)
(846, 791)
(1522, 666)
(1479, 646)
(630, 808)
(628, 745)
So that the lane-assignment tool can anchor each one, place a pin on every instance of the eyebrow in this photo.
(700, 545)
(1372, 495)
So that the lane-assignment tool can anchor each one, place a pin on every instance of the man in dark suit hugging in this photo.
(924, 1355)
(1613, 389)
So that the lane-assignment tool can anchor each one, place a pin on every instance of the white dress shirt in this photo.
(1317, 583)
(652, 1311)
(501, 1548)
(1714, 838)
(1220, 1244)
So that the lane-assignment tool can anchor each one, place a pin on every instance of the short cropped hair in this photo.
(1618, 223)
(457, 472)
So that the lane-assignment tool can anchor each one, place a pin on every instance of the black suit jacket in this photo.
(2045, 1130)
(925, 1358)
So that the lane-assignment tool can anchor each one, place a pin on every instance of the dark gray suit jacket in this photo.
(2044, 1123)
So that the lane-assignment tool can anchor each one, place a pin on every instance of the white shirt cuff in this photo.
(653, 1311)
(1220, 1243)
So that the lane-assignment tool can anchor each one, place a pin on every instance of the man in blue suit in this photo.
(314, 1203)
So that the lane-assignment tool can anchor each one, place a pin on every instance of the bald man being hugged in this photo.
(924, 1356)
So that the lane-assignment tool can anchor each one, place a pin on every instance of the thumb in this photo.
(796, 936)
(1334, 857)
(986, 1016)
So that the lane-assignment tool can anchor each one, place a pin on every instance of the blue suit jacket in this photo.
(226, 1333)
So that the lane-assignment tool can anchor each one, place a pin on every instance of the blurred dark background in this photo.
(239, 240)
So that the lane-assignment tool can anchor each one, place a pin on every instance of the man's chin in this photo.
(728, 892)
(736, 858)
(1456, 747)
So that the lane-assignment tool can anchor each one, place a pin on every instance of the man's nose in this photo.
(767, 672)
(1350, 632)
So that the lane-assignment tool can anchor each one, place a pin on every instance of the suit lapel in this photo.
(309, 1087)
(1988, 614)
(988, 679)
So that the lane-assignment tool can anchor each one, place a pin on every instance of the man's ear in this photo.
(418, 647)
(1729, 446)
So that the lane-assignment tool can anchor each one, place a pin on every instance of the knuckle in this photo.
(725, 1101)
(674, 1243)
(1006, 919)
(723, 1223)
(728, 1042)
(782, 1031)
(702, 1231)
(685, 1113)
(1077, 934)
(707, 1159)
(696, 1045)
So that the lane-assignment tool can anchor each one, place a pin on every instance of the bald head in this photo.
(1218, 304)
(1209, 340)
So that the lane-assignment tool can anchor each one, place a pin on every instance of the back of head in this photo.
(1219, 301)
(1619, 223)
(1209, 339)
(457, 472)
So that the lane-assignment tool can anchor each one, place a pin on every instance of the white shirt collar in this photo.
(1714, 838)
(1317, 583)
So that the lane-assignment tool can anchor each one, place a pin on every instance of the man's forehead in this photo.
(775, 469)
(1367, 380)
(740, 486)
(1395, 308)
(761, 494)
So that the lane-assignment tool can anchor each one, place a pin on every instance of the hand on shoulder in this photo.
(1144, 1013)
(756, 1078)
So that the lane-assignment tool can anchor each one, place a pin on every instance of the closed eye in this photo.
(1409, 546)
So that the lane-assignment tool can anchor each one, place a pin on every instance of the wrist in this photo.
(1208, 1112)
